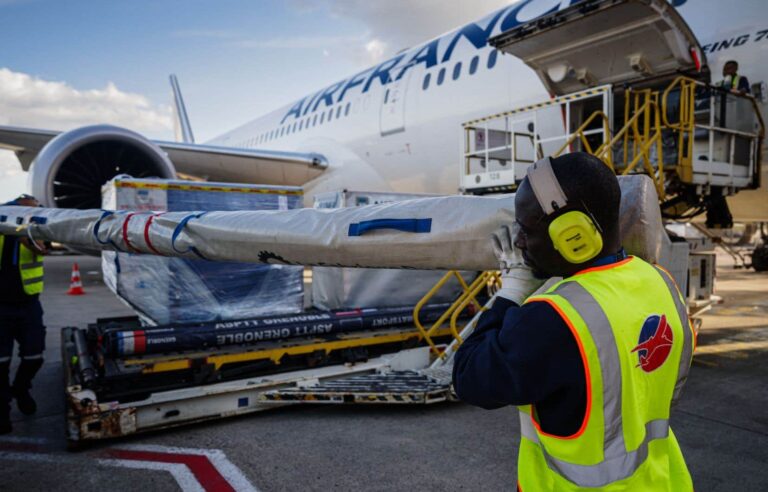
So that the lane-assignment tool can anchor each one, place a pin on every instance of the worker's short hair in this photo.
(734, 62)
(19, 199)
(589, 183)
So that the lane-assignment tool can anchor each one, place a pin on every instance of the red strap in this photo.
(125, 232)
(146, 233)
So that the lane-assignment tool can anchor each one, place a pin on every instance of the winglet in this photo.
(182, 128)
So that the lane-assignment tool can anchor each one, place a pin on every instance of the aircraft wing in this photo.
(24, 142)
(244, 165)
(206, 161)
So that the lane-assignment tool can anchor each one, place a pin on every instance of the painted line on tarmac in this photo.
(217, 457)
(193, 469)
(184, 477)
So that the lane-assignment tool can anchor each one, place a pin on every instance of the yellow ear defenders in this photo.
(574, 234)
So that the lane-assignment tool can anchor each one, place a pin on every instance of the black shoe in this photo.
(24, 401)
(5, 424)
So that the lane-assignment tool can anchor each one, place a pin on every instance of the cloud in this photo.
(398, 24)
(29, 101)
(386, 26)
(359, 48)
(12, 179)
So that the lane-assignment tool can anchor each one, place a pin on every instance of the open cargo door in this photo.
(598, 42)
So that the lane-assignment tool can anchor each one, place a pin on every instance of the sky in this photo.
(65, 64)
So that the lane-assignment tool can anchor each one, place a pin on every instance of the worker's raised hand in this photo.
(517, 279)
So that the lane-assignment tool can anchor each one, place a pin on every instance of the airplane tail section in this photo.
(181, 126)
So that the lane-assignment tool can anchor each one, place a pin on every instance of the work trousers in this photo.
(22, 322)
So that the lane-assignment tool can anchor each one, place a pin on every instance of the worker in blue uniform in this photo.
(21, 318)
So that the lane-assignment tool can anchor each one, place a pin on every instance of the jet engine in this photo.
(70, 170)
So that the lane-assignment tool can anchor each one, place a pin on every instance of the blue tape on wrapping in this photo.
(38, 220)
(177, 231)
(3, 218)
(104, 214)
(404, 225)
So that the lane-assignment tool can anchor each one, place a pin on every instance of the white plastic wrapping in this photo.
(452, 232)
(348, 288)
(180, 290)
(642, 230)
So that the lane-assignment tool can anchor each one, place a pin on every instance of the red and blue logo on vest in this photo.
(655, 342)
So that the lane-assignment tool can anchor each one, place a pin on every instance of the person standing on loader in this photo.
(21, 318)
(594, 362)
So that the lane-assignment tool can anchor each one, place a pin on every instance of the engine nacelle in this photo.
(70, 170)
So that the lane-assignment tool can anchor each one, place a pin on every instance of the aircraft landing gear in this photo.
(760, 254)
(760, 258)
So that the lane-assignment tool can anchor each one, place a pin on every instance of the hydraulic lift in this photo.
(629, 84)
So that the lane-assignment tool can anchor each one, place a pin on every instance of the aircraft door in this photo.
(599, 42)
(392, 115)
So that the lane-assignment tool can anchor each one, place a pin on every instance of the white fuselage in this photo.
(406, 135)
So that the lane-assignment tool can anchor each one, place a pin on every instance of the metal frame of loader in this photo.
(114, 397)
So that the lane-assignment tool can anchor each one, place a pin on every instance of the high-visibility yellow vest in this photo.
(734, 83)
(30, 268)
(632, 329)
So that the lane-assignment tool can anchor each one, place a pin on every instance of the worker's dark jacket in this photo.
(520, 355)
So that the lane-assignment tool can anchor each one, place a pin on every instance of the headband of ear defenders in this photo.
(546, 187)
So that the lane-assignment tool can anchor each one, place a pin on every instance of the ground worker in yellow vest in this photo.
(594, 362)
(732, 81)
(21, 318)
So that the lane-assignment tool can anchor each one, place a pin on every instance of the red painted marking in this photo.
(200, 466)
(696, 60)
(139, 342)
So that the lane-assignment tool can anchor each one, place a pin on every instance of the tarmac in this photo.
(721, 422)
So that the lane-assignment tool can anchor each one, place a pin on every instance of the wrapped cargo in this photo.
(178, 290)
(447, 232)
(350, 288)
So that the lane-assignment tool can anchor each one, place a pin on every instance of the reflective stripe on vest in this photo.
(685, 359)
(611, 469)
(617, 463)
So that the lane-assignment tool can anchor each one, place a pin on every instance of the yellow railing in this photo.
(685, 125)
(468, 297)
(646, 115)
(580, 134)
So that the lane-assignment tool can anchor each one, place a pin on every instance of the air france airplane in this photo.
(396, 126)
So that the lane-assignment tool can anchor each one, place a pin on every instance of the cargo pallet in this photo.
(115, 397)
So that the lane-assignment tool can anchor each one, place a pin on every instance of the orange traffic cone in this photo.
(75, 285)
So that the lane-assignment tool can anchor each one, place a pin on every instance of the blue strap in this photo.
(177, 231)
(404, 225)
(104, 214)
